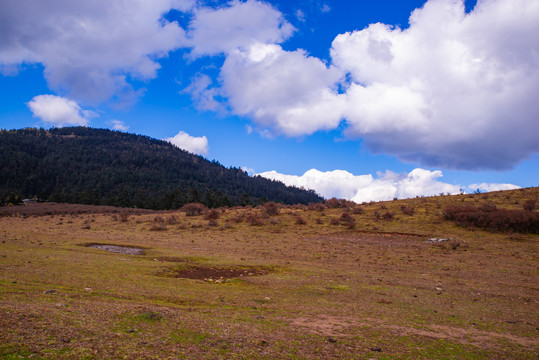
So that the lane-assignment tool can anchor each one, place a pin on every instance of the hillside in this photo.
(104, 167)
(336, 280)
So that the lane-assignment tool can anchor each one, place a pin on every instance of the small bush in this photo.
(407, 210)
(212, 214)
(358, 210)
(334, 221)
(300, 220)
(271, 208)
(124, 216)
(529, 205)
(316, 207)
(255, 220)
(212, 222)
(193, 209)
(172, 220)
(158, 224)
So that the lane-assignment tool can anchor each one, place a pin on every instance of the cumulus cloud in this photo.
(451, 90)
(364, 188)
(90, 49)
(59, 111)
(236, 25)
(196, 145)
(119, 125)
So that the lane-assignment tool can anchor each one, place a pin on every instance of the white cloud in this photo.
(59, 111)
(300, 15)
(236, 26)
(119, 125)
(492, 187)
(364, 188)
(284, 91)
(196, 145)
(451, 90)
(90, 48)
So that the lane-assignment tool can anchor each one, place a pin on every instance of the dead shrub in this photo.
(194, 209)
(124, 216)
(490, 218)
(335, 203)
(334, 221)
(272, 208)
(386, 215)
(319, 221)
(529, 205)
(212, 222)
(172, 220)
(316, 207)
(158, 224)
(358, 210)
(254, 220)
(212, 214)
(300, 220)
(407, 210)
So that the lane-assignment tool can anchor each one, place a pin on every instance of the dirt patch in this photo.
(323, 325)
(202, 272)
(119, 249)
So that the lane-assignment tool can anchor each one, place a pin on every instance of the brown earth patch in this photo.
(205, 272)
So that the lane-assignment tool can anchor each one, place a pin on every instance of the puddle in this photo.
(119, 249)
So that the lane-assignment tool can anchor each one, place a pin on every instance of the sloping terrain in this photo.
(294, 282)
(104, 167)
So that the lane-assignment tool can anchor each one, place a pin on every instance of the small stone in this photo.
(130, 331)
(376, 348)
(51, 291)
(438, 288)
(87, 289)
(331, 340)
(260, 317)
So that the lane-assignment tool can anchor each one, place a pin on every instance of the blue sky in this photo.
(362, 99)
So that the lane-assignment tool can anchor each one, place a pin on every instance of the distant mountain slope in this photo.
(104, 167)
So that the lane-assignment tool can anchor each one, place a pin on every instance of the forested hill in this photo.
(104, 167)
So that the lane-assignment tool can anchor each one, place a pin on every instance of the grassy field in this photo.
(306, 283)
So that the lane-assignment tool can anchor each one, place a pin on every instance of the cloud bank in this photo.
(451, 90)
(59, 111)
(90, 49)
(387, 186)
(196, 145)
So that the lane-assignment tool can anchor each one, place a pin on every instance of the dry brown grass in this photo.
(273, 291)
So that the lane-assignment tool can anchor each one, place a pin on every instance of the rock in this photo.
(87, 289)
(331, 340)
(51, 291)
(376, 348)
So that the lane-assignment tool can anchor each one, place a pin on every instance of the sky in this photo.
(359, 99)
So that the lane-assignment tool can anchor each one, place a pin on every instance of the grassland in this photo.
(301, 284)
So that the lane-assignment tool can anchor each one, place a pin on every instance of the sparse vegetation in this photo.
(415, 287)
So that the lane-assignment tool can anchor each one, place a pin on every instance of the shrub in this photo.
(334, 221)
(300, 220)
(493, 219)
(255, 220)
(212, 222)
(212, 214)
(529, 205)
(124, 216)
(158, 224)
(407, 210)
(172, 220)
(358, 210)
(316, 206)
(271, 208)
(193, 209)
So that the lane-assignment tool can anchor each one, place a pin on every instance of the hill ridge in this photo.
(108, 167)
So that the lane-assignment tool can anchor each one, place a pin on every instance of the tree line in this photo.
(105, 167)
